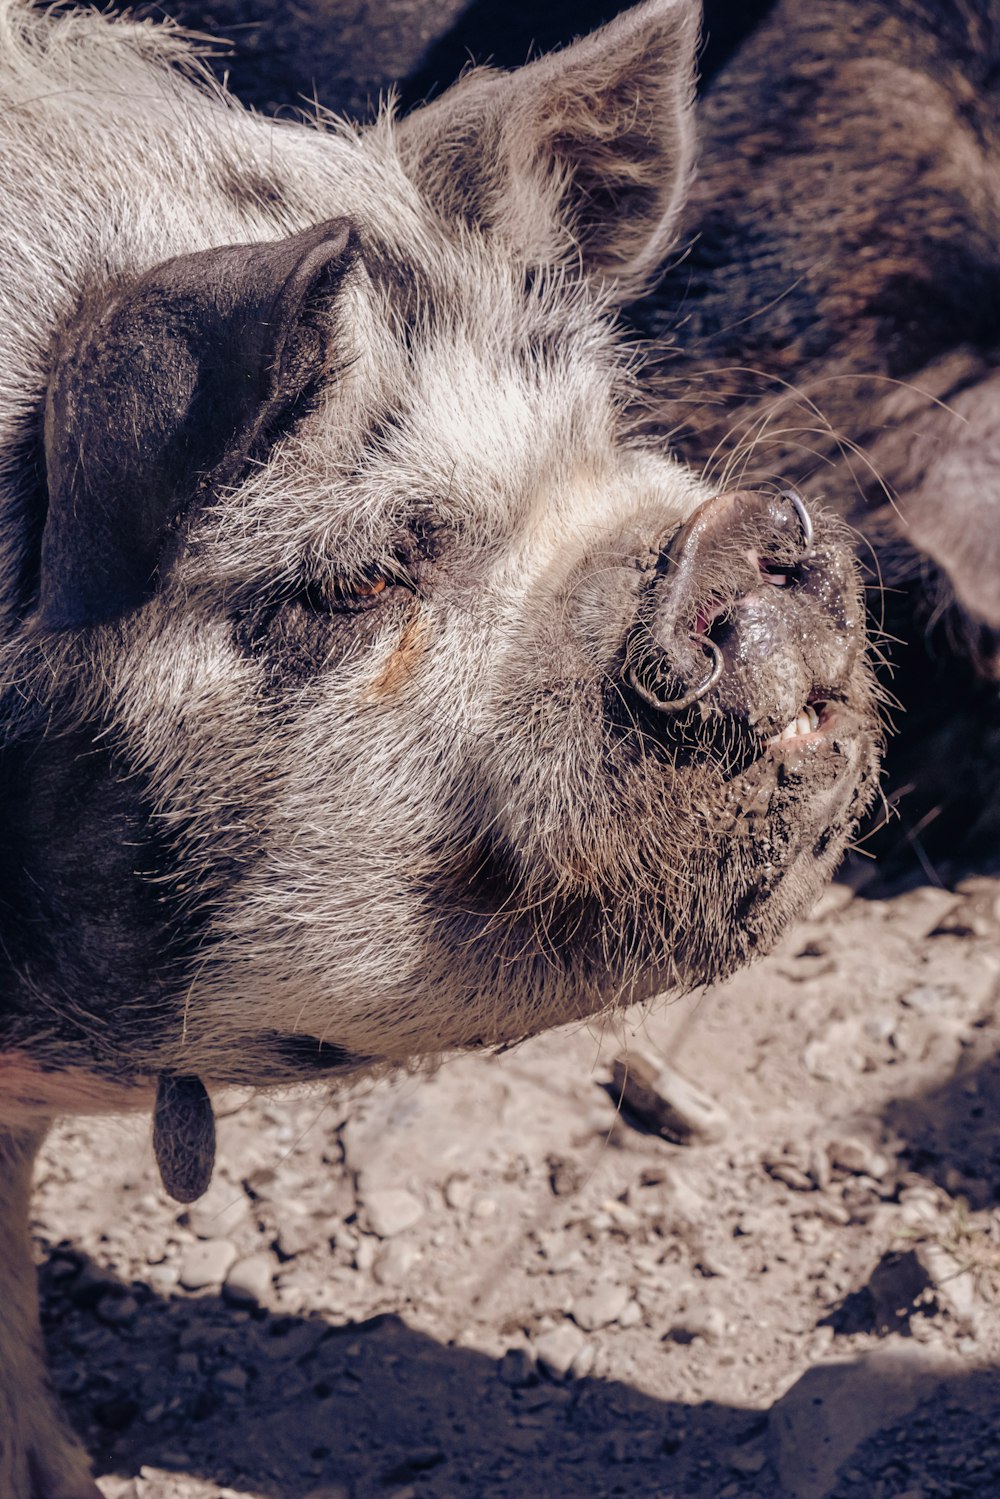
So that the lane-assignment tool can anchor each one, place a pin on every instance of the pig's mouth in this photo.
(812, 719)
(815, 727)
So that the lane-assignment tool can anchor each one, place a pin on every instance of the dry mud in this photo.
(492, 1282)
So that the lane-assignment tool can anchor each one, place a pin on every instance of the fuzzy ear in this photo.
(949, 497)
(167, 387)
(584, 151)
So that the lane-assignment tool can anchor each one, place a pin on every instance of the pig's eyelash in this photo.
(357, 592)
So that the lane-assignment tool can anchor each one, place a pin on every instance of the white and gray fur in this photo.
(345, 785)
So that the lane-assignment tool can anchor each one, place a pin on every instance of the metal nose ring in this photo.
(805, 519)
(678, 704)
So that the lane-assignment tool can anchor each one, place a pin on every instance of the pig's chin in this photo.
(784, 823)
(763, 840)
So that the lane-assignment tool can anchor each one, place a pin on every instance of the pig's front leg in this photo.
(39, 1456)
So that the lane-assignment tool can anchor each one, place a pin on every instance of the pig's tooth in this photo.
(806, 721)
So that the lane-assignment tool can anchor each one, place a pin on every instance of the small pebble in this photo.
(205, 1263)
(391, 1210)
(393, 1263)
(567, 1259)
(830, 1210)
(557, 1351)
(662, 1097)
(790, 1174)
(623, 1218)
(630, 1315)
(517, 1368)
(364, 1254)
(162, 1278)
(232, 1378)
(294, 1237)
(565, 1176)
(250, 1279)
(675, 1201)
(600, 1307)
(747, 1461)
(597, 1223)
(700, 1322)
(116, 1311)
(857, 1158)
(278, 1340)
(458, 1193)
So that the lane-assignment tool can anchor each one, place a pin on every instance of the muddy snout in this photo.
(752, 615)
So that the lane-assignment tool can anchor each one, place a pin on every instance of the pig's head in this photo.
(384, 692)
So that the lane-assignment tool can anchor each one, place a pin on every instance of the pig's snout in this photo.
(752, 616)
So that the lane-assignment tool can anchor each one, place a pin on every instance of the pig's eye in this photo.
(349, 595)
(324, 618)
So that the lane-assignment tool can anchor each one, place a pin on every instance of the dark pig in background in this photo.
(347, 54)
(836, 316)
(372, 687)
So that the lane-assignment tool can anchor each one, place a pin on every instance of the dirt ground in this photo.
(494, 1282)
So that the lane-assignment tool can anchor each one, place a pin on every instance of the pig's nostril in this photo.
(784, 574)
(775, 573)
(652, 684)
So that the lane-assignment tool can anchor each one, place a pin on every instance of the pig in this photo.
(373, 686)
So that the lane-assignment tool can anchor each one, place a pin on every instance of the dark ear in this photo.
(584, 152)
(166, 387)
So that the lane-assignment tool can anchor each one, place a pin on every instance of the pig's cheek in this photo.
(294, 644)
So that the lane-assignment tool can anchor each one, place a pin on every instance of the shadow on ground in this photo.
(374, 1405)
(952, 1133)
(278, 1407)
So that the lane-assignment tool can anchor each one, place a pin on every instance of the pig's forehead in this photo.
(463, 409)
(523, 358)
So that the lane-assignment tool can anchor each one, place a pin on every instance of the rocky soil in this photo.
(497, 1282)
